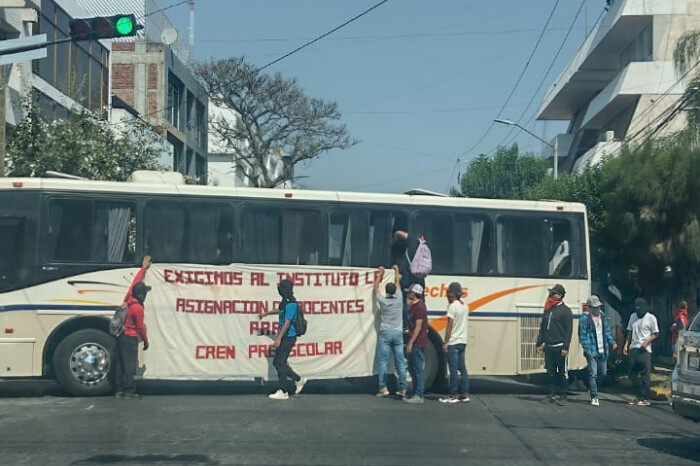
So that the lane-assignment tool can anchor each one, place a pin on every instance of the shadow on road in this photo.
(147, 459)
(681, 447)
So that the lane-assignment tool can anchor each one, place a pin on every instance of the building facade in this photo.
(622, 84)
(152, 73)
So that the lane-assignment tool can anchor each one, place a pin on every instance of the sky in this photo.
(418, 83)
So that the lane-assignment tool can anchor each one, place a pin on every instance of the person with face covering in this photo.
(285, 341)
(554, 339)
(595, 337)
(128, 342)
(680, 323)
(642, 329)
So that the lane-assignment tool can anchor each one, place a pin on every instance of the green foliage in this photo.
(81, 145)
(507, 175)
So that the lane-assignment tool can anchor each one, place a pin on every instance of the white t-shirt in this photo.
(600, 340)
(642, 329)
(459, 313)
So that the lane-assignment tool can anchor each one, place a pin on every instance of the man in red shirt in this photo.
(128, 342)
(418, 330)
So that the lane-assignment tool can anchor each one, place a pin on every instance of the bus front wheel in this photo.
(82, 362)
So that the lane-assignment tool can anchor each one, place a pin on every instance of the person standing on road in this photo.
(285, 341)
(554, 339)
(390, 330)
(455, 345)
(642, 329)
(418, 330)
(614, 321)
(128, 341)
(595, 337)
(680, 323)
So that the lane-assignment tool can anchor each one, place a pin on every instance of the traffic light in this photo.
(103, 27)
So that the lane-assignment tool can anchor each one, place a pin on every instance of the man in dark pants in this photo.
(554, 339)
(642, 329)
(286, 338)
(128, 342)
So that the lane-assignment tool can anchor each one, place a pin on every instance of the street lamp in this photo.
(555, 146)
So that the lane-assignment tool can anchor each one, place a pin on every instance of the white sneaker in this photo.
(278, 395)
(595, 402)
(300, 385)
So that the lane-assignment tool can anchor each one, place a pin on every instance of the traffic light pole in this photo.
(27, 48)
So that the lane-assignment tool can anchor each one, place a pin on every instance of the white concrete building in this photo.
(622, 82)
(225, 169)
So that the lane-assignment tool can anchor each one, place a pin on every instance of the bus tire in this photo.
(83, 362)
(434, 364)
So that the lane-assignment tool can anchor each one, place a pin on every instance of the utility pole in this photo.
(3, 118)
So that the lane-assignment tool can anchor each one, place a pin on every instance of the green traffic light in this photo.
(125, 26)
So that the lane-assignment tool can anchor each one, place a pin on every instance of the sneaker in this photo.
(595, 402)
(562, 402)
(132, 396)
(278, 395)
(416, 400)
(465, 398)
(643, 403)
(449, 399)
(548, 399)
(300, 385)
(119, 395)
(633, 402)
(383, 392)
(401, 393)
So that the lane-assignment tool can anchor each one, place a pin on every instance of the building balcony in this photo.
(596, 64)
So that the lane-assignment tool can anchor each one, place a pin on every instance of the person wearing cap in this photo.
(418, 331)
(128, 342)
(554, 339)
(642, 329)
(595, 337)
(455, 345)
(390, 330)
(285, 341)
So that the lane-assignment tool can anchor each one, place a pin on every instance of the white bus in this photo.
(70, 249)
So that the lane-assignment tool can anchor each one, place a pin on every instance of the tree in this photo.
(81, 145)
(274, 116)
(507, 175)
(685, 57)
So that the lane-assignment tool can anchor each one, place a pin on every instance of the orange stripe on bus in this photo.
(98, 291)
(81, 301)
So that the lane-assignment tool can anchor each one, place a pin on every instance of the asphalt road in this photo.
(334, 424)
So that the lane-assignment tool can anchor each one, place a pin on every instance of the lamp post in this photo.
(555, 146)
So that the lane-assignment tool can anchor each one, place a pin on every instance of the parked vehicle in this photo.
(685, 382)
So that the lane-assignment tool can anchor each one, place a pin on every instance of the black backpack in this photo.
(300, 322)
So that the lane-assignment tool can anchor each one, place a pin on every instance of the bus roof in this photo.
(51, 184)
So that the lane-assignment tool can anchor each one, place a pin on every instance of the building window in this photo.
(175, 92)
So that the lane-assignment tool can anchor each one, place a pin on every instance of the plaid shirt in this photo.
(587, 334)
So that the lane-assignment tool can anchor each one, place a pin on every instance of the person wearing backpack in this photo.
(127, 342)
(286, 339)
(414, 261)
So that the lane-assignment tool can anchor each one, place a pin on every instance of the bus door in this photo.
(12, 251)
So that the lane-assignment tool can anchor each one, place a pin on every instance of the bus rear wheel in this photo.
(83, 361)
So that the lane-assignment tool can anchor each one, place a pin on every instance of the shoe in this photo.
(299, 386)
(562, 402)
(401, 393)
(416, 400)
(465, 399)
(383, 392)
(278, 395)
(595, 402)
(132, 396)
(119, 395)
(633, 402)
(643, 403)
(548, 399)
(449, 399)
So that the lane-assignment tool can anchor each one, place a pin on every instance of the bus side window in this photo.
(209, 236)
(164, 222)
(348, 238)
(11, 252)
(438, 231)
(382, 225)
(472, 246)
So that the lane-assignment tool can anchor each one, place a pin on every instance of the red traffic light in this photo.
(103, 27)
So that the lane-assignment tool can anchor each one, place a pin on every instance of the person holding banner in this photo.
(285, 341)
(390, 330)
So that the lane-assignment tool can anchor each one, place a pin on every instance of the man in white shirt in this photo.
(642, 329)
(456, 344)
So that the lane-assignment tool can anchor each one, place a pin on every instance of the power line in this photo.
(163, 9)
(439, 110)
(517, 82)
(273, 62)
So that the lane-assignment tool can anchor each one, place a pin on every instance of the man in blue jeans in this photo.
(595, 337)
(456, 344)
(418, 331)
(390, 330)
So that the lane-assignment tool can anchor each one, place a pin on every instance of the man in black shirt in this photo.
(554, 339)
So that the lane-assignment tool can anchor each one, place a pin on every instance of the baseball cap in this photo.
(594, 301)
(455, 288)
(557, 289)
(390, 288)
(415, 288)
(140, 289)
